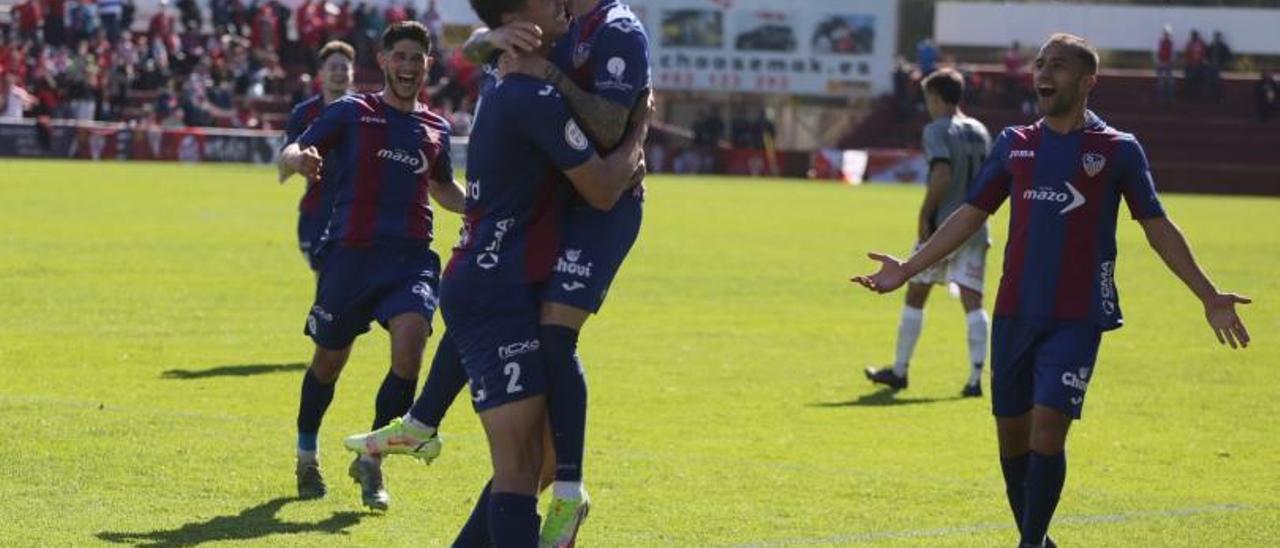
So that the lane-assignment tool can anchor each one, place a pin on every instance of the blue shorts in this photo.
(495, 329)
(594, 246)
(1036, 364)
(310, 230)
(359, 285)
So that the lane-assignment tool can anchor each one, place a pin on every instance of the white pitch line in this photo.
(983, 527)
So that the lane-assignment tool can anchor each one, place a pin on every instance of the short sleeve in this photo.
(622, 62)
(934, 140)
(548, 123)
(990, 187)
(443, 169)
(1136, 184)
(329, 127)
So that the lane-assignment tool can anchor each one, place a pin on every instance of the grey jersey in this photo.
(964, 143)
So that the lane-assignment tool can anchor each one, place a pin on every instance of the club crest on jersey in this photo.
(574, 136)
(1093, 163)
(581, 54)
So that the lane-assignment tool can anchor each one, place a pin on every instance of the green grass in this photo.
(727, 403)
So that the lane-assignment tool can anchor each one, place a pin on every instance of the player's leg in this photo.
(416, 432)
(317, 392)
(977, 325)
(1064, 362)
(909, 326)
(1012, 397)
(515, 434)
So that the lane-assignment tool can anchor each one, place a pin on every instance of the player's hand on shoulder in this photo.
(891, 275)
(1220, 311)
(523, 63)
(516, 36)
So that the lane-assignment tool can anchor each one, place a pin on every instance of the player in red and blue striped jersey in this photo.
(1065, 177)
(336, 61)
(385, 153)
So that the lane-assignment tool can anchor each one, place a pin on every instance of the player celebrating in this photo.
(1065, 175)
(607, 83)
(386, 153)
(954, 145)
(336, 61)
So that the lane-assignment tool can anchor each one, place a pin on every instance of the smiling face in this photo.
(336, 73)
(404, 68)
(1062, 79)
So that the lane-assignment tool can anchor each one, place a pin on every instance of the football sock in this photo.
(908, 334)
(444, 380)
(395, 396)
(567, 489)
(315, 399)
(1015, 484)
(475, 533)
(513, 520)
(1045, 476)
(978, 323)
(566, 399)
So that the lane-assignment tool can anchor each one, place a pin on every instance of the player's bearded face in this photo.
(404, 69)
(1061, 83)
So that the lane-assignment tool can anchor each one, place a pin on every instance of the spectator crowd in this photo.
(198, 62)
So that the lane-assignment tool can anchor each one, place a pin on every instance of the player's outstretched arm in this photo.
(1219, 307)
(954, 231)
(295, 159)
(515, 36)
(601, 181)
(604, 121)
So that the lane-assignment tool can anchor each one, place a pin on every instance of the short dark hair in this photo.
(339, 47)
(948, 83)
(491, 11)
(406, 30)
(1079, 47)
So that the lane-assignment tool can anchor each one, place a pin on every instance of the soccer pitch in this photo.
(151, 349)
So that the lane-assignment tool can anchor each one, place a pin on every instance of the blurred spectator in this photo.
(1267, 95)
(112, 14)
(903, 102)
(191, 16)
(708, 130)
(926, 57)
(55, 23)
(162, 23)
(1219, 59)
(1164, 65)
(395, 13)
(84, 20)
(220, 15)
(1016, 84)
(28, 16)
(1193, 58)
(13, 99)
(434, 23)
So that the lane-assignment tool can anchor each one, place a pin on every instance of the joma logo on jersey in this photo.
(1022, 154)
(418, 163)
(1073, 198)
(372, 120)
(569, 264)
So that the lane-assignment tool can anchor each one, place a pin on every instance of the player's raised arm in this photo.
(518, 36)
(604, 120)
(601, 181)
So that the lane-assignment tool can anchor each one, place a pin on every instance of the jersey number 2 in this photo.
(512, 370)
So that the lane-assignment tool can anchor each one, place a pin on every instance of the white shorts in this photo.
(965, 267)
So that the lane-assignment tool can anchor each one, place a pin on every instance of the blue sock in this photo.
(1045, 476)
(445, 379)
(475, 533)
(566, 399)
(394, 398)
(315, 399)
(1015, 484)
(513, 520)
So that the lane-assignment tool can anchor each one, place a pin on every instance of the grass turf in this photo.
(151, 351)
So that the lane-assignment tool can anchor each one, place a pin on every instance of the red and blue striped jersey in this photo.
(317, 199)
(1059, 262)
(381, 161)
(522, 140)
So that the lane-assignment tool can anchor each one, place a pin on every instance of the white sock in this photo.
(310, 457)
(978, 323)
(418, 425)
(908, 334)
(567, 489)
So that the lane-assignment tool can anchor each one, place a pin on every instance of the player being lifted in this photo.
(336, 75)
(609, 73)
(955, 145)
(1065, 176)
(385, 154)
